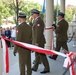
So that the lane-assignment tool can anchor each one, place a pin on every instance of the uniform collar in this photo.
(37, 17)
(61, 19)
(22, 23)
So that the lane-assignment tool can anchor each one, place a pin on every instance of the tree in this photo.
(1, 7)
(8, 7)
(27, 6)
(69, 14)
(55, 13)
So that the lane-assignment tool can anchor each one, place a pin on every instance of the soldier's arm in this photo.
(31, 21)
(15, 46)
(39, 31)
(58, 28)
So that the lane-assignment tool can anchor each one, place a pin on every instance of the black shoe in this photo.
(44, 72)
(33, 69)
(52, 57)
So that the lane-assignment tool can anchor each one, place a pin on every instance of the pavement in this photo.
(56, 66)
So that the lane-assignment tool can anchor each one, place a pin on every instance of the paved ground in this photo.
(56, 67)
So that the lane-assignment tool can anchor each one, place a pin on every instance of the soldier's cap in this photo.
(35, 11)
(22, 15)
(61, 14)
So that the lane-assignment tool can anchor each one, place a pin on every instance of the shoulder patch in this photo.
(16, 31)
(38, 25)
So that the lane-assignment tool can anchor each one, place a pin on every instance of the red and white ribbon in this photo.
(5, 56)
(33, 48)
(36, 48)
(68, 61)
(48, 28)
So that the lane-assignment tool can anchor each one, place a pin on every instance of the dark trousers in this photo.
(60, 44)
(25, 62)
(43, 59)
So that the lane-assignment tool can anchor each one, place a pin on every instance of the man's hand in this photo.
(14, 53)
(31, 18)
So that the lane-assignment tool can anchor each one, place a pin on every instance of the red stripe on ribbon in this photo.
(48, 28)
(72, 67)
(7, 59)
(6, 55)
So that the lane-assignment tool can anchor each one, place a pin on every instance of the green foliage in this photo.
(8, 7)
(56, 11)
(0, 19)
(1, 7)
(69, 14)
(27, 6)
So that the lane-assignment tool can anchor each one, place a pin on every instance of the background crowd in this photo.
(9, 33)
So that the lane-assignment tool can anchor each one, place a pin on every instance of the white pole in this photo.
(0, 55)
(49, 21)
(62, 6)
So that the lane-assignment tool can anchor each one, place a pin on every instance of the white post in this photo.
(0, 55)
(62, 6)
(49, 21)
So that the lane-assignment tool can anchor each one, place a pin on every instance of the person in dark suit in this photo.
(24, 34)
(61, 34)
(38, 39)
(8, 35)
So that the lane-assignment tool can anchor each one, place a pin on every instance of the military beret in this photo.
(22, 15)
(34, 11)
(61, 14)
